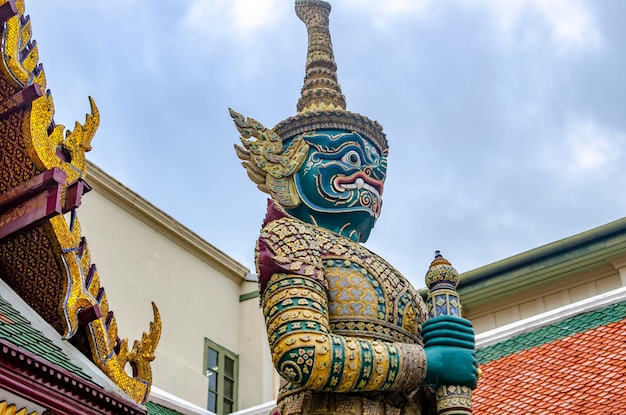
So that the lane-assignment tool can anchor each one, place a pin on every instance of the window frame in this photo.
(222, 353)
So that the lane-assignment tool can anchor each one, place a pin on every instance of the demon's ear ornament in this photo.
(270, 163)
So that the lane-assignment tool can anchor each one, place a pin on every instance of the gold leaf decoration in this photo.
(49, 146)
(10, 409)
(270, 164)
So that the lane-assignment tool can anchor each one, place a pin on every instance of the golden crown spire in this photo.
(321, 90)
(322, 105)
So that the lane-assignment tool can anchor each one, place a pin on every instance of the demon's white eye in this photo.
(352, 158)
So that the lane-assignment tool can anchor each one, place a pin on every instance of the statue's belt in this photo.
(371, 329)
(306, 402)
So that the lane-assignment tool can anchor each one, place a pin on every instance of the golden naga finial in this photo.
(321, 90)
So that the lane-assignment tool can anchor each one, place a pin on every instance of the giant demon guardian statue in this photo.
(345, 329)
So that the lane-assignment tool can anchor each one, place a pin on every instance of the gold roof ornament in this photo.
(66, 289)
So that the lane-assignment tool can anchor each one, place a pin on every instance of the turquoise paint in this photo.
(341, 183)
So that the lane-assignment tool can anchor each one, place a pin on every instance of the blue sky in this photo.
(505, 117)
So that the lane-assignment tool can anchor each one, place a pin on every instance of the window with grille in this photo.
(222, 368)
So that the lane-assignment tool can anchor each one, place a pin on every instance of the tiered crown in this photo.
(322, 105)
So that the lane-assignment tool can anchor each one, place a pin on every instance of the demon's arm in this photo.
(304, 350)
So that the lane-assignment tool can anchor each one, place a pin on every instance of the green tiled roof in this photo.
(156, 409)
(557, 331)
(16, 329)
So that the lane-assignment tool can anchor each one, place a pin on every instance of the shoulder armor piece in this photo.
(289, 246)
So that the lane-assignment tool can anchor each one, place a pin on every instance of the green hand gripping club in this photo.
(443, 300)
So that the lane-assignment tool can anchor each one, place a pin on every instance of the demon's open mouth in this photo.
(359, 181)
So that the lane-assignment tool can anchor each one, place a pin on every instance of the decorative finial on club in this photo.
(443, 300)
(441, 272)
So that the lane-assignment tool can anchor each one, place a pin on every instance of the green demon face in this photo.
(341, 183)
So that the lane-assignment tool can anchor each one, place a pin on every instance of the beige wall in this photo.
(256, 359)
(142, 255)
(567, 290)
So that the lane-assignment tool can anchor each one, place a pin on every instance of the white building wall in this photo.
(256, 359)
(143, 255)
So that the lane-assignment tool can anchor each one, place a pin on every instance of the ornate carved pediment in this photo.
(43, 255)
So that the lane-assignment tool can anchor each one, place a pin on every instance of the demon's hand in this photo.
(449, 347)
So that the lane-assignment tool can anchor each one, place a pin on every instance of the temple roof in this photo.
(23, 340)
(572, 366)
(156, 409)
(529, 270)
(50, 372)
(17, 330)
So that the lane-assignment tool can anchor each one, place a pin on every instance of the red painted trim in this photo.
(25, 190)
(74, 193)
(31, 202)
(89, 314)
(20, 99)
(54, 388)
(8, 10)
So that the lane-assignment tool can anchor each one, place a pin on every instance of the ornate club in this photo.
(443, 300)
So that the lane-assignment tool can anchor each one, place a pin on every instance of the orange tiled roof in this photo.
(583, 373)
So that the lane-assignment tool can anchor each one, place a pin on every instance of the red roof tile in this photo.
(584, 373)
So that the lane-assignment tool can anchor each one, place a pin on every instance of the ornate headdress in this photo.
(322, 105)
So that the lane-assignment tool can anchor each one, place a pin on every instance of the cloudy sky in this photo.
(506, 118)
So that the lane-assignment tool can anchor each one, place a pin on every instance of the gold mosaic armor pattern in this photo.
(339, 319)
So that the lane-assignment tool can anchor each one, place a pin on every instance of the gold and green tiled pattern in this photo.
(576, 366)
(16, 329)
(156, 409)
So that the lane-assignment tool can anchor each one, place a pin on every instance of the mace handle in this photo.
(443, 300)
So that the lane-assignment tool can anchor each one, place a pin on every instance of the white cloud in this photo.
(569, 22)
(242, 18)
(382, 12)
(586, 148)
(593, 147)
